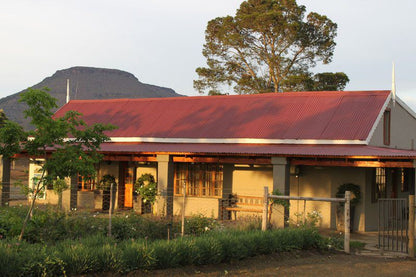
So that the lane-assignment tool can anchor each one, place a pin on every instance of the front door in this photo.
(128, 187)
(125, 196)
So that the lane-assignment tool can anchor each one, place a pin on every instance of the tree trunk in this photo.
(60, 201)
(5, 181)
(29, 213)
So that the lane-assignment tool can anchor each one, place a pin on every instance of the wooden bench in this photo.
(243, 203)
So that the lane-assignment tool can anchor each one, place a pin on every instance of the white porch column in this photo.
(164, 202)
(281, 182)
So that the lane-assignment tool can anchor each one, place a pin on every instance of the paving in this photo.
(371, 246)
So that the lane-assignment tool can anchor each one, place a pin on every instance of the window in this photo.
(379, 184)
(202, 180)
(386, 127)
(86, 183)
(406, 179)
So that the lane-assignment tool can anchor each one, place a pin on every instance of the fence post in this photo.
(265, 209)
(411, 226)
(110, 210)
(347, 222)
(183, 209)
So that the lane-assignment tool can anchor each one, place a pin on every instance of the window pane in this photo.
(203, 180)
(379, 190)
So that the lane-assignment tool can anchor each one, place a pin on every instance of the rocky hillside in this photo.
(87, 83)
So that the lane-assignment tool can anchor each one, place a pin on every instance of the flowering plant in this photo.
(146, 187)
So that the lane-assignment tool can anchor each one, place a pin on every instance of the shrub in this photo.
(208, 250)
(134, 226)
(171, 253)
(199, 224)
(92, 254)
(102, 254)
(23, 259)
(137, 255)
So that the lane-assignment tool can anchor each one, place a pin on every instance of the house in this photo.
(301, 143)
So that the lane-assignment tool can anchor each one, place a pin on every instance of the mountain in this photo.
(86, 83)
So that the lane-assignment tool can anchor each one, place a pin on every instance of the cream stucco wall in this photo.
(145, 169)
(324, 182)
(312, 182)
(207, 206)
(403, 129)
(251, 180)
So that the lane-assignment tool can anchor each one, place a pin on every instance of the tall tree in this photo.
(11, 135)
(67, 145)
(268, 46)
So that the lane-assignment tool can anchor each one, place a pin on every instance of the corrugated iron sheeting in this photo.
(294, 115)
(250, 149)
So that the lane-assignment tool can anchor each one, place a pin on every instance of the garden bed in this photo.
(56, 243)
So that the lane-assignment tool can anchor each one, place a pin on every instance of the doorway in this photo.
(127, 173)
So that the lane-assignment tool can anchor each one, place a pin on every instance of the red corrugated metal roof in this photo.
(253, 149)
(294, 115)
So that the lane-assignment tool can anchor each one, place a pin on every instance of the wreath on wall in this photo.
(146, 187)
(355, 193)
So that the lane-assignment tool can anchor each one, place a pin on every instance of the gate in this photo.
(393, 215)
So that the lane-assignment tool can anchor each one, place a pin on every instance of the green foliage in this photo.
(199, 224)
(268, 46)
(310, 220)
(99, 253)
(357, 245)
(137, 255)
(171, 253)
(329, 81)
(68, 157)
(146, 187)
(336, 241)
(3, 118)
(11, 137)
(79, 225)
(60, 185)
(106, 181)
(326, 81)
(207, 250)
(281, 202)
(244, 223)
(23, 259)
(355, 193)
(62, 157)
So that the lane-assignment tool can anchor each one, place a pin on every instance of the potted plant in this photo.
(355, 200)
(105, 185)
(59, 186)
(146, 188)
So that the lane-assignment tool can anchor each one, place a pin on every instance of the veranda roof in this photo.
(261, 150)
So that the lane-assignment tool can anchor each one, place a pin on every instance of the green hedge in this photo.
(102, 254)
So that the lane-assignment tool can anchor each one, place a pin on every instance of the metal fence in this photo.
(393, 217)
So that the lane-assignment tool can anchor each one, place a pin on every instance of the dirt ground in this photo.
(299, 264)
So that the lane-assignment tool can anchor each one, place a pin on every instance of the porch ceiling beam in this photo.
(130, 158)
(233, 160)
(405, 164)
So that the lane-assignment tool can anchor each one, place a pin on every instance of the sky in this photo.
(160, 41)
